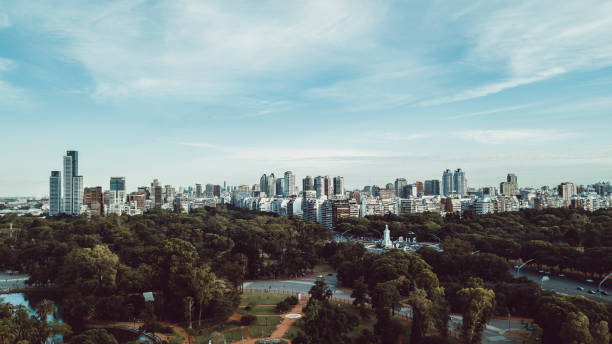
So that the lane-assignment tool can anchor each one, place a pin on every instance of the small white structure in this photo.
(386, 242)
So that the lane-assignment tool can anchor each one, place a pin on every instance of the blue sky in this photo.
(204, 91)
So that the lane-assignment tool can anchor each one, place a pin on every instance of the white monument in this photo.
(386, 242)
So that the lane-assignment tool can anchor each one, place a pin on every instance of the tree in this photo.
(440, 312)
(359, 294)
(326, 323)
(44, 308)
(600, 333)
(421, 314)
(320, 291)
(203, 282)
(575, 329)
(97, 336)
(478, 306)
(188, 309)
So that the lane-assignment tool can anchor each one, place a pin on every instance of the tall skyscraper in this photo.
(398, 186)
(447, 182)
(329, 187)
(73, 199)
(338, 185)
(460, 182)
(198, 190)
(512, 178)
(117, 188)
(319, 186)
(55, 193)
(279, 186)
(307, 184)
(432, 187)
(289, 183)
(271, 191)
(263, 183)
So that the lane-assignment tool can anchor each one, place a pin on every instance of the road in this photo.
(567, 286)
(493, 334)
(12, 282)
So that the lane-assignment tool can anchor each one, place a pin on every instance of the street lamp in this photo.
(600, 284)
(518, 268)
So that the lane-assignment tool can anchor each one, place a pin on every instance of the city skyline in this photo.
(190, 92)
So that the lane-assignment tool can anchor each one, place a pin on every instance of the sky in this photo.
(210, 91)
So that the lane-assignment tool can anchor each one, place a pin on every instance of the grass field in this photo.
(269, 321)
(257, 331)
(262, 299)
(259, 310)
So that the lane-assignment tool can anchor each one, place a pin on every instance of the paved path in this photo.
(284, 326)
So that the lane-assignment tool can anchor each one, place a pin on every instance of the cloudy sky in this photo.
(203, 91)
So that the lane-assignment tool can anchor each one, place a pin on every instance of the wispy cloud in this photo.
(494, 87)
(491, 111)
(515, 136)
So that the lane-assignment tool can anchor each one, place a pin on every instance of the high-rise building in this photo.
(93, 198)
(566, 190)
(55, 193)
(208, 191)
(279, 186)
(289, 183)
(73, 199)
(329, 187)
(432, 187)
(77, 194)
(460, 182)
(420, 188)
(271, 191)
(339, 185)
(117, 187)
(217, 190)
(198, 190)
(319, 186)
(447, 182)
(263, 183)
(512, 178)
(307, 184)
(398, 186)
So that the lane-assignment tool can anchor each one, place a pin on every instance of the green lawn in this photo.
(234, 335)
(262, 298)
(256, 331)
(269, 321)
(259, 310)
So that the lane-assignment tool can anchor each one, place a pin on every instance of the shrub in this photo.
(283, 306)
(292, 300)
(247, 320)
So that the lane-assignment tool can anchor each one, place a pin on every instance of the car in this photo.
(592, 292)
(580, 288)
(603, 292)
(561, 275)
(589, 281)
(330, 274)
